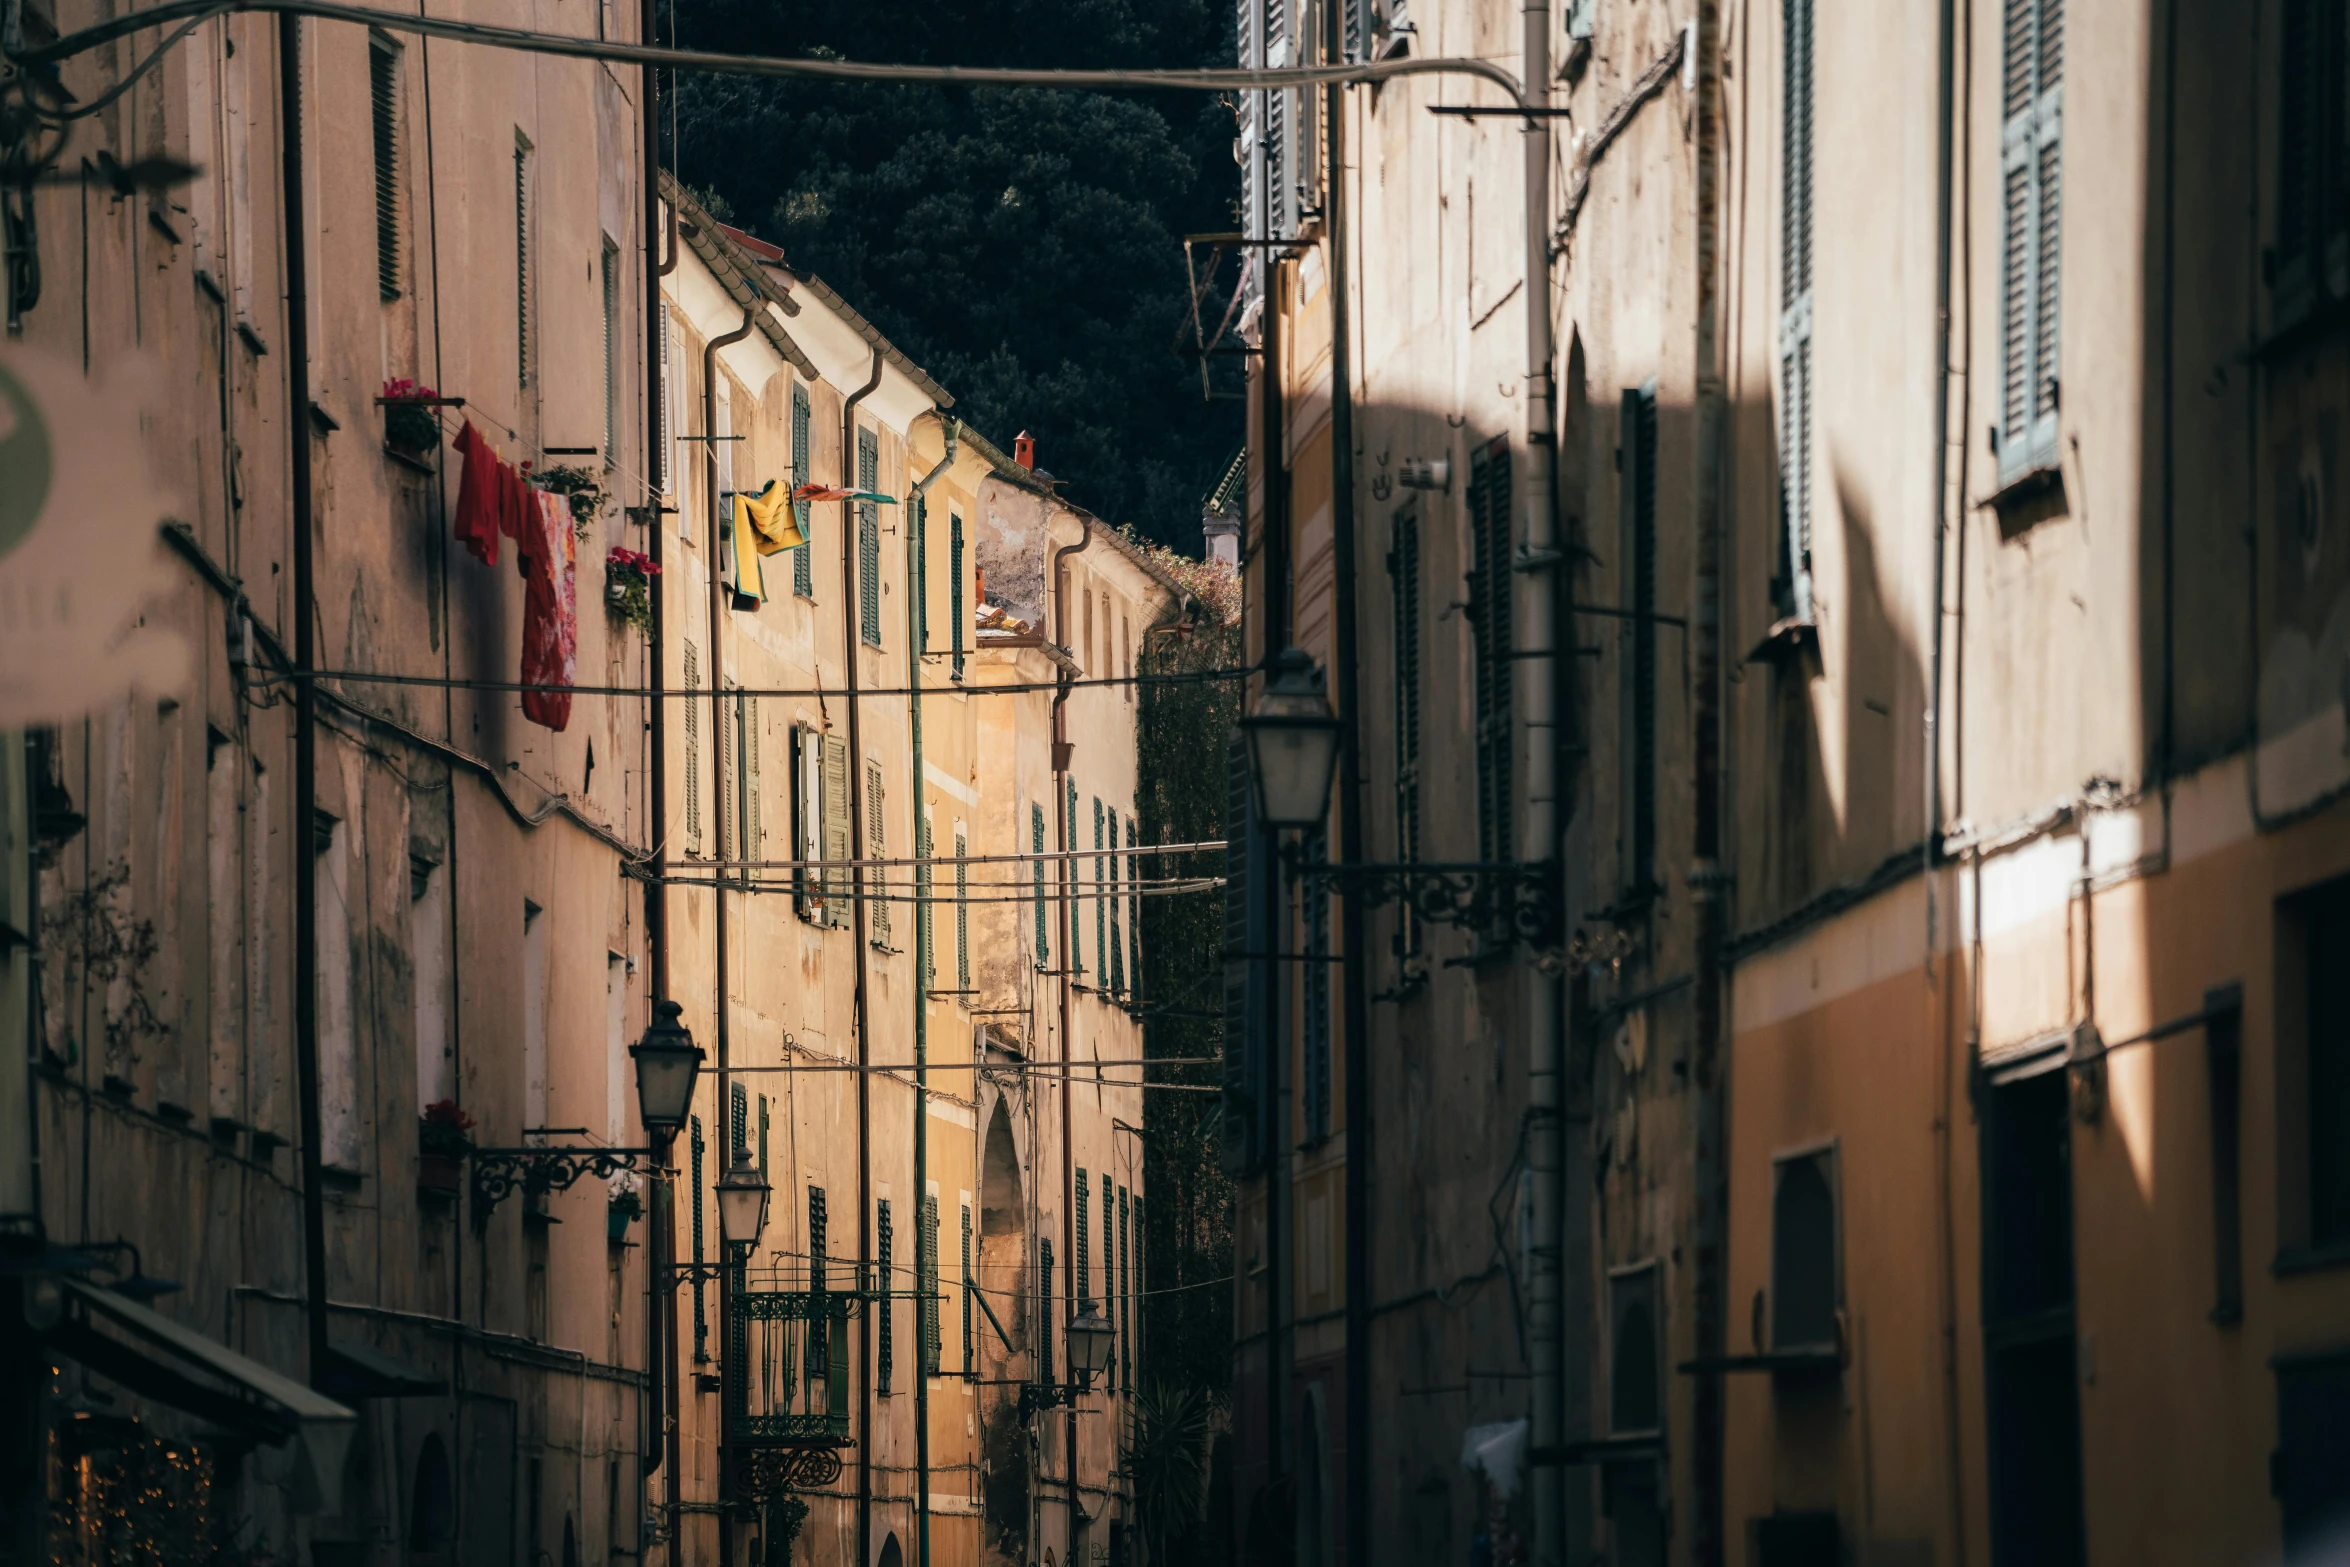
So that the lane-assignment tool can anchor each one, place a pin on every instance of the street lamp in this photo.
(667, 1061)
(742, 1202)
(1292, 745)
(1089, 1342)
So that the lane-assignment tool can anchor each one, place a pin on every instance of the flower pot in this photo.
(616, 1224)
(437, 1174)
(616, 594)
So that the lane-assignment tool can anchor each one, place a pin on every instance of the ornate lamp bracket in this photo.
(497, 1172)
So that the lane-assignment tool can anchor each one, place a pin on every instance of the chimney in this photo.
(1222, 536)
(1024, 450)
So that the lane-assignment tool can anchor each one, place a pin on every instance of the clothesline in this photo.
(1019, 688)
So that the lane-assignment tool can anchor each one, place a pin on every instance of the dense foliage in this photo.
(1182, 742)
(1024, 246)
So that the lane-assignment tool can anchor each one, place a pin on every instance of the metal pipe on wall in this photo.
(856, 792)
(305, 802)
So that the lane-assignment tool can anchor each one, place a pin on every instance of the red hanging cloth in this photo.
(545, 550)
(481, 497)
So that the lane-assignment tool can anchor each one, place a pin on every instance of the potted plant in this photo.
(628, 586)
(627, 1203)
(583, 488)
(444, 1136)
(411, 428)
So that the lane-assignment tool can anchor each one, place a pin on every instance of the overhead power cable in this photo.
(702, 693)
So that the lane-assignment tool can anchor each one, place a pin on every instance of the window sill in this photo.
(2033, 496)
(2292, 1260)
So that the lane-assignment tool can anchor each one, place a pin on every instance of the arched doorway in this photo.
(432, 1501)
(1003, 1229)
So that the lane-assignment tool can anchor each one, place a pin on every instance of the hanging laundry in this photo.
(833, 492)
(481, 497)
(772, 515)
(738, 561)
(545, 550)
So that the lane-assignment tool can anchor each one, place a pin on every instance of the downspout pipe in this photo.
(1274, 574)
(1708, 883)
(917, 595)
(721, 1004)
(856, 791)
(1541, 828)
(297, 241)
(1062, 750)
(1353, 974)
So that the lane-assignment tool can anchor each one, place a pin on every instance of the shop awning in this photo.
(174, 1364)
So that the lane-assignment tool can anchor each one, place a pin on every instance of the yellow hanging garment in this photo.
(771, 516)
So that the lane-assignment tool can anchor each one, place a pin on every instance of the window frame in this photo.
(1827, 1150)
(2031, 146)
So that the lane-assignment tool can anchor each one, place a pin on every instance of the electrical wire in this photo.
(1018, 688)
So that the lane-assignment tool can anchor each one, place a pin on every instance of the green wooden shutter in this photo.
(1134, 911)
(926, 1247)
(1044, 1314)
(969, 1368)
(918, 519)
(962, 912)
(2031, 184)
(876, 848)
(868, 541)
(383, 92)
(1126, 1239)
(884, 1355)
(1796, 443)
(803, 575)
(693, 751)
(1105, 934)
(1081, 1285)
(1076, 927)
(924, 946)
(1110, 1263)
(1044, 945)
(955, 593)
(701, 1314)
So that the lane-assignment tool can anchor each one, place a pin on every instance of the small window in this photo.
(383, 91)
(2313, 1075)
(1635, 1401)
(1805, 1289)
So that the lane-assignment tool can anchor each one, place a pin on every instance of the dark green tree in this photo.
(1024, 246)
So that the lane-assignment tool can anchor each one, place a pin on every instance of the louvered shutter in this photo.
(962, 910)
(1493, 629)
(925, 946)
(669, 395)
(803, 573)
(1796, 442)
(1134, 911)
(1103, 932)
(1044, 945)
(1403, 570)
(383, 92)
(868, 541)
(926, 1266)
(1637, 637)
(611, 256)
(522, 288)
(955, 593)
(2031, 182)
(836, 831)
(693, 751)
(754, 835)
(1242, 1121)
(876, 848)
(806, 842)
(968, 1282)
(1110, 1262)
(1069, 875)
(884, 1352)
(1081, 1289)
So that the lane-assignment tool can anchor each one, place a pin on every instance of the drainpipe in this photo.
(1541, 684)
(660, 1301)
(848, 636)
(1273, 542)
(1062, 748)
(297, 224)
(1353, 940)
(719, 999)
(1707, 881)
(917, 544)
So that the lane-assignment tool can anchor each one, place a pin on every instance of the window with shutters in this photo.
(1105, 931)
(923, 946)
(672, 393)
(803, 574)
(918, 520)
(884, 1355)
(722, 448)
(1126, 1239)
(1069, 873)
(1314, 980)
(1491, 626)
(1081, 1282)
(835, 805)
(383, 92)
(955, 612)
(1269, 162)
(723, 803)
(750, 837)
(875, 879)
(1795, 355)
(2311, 259)
(926, 1281)
(1044, 946)
(693, 751)
(970, 1367)
(868, 541)
(2031, 185)
(1636, 637)
(696, 1148)
(1044, 1312)
(1133, 910)
(611, 353)
(738, 1123)
(820, 1345)
(962, 908)
(807, 837)
(1110, 1265)
(1403, 571)
(523, 343)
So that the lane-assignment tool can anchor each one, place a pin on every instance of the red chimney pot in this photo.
(1024, 449)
